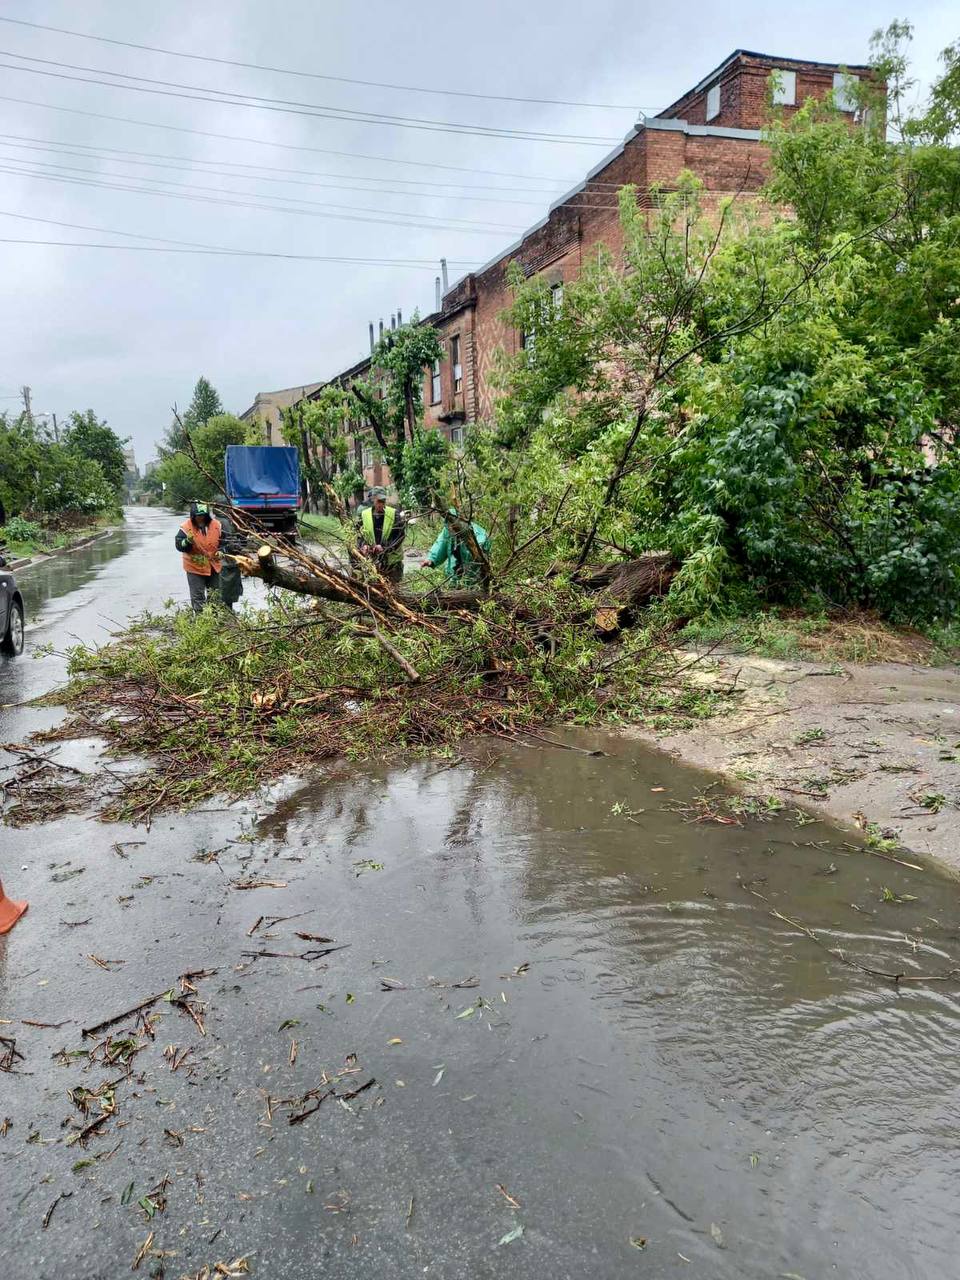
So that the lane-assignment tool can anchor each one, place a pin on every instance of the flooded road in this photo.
(578, 1017)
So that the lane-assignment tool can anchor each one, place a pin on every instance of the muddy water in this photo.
(651, 1055)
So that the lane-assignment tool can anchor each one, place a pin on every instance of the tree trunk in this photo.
(625, 585)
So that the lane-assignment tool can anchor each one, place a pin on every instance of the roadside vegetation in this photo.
(755, 420)
(54, 488)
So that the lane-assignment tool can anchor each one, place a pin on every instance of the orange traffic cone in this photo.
(10, 911)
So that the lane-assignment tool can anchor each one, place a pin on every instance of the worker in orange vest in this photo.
(198, 538)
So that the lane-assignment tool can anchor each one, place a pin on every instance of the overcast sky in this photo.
(127, 332)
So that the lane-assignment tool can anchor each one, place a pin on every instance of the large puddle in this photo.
(652, 1058)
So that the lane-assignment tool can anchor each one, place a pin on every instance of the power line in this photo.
(285, 146)
(228, 253)
(91, 153)
(316, 75)
(195, 244)
(459, 187)
(408, 223)
(448, 222)
(313, 111)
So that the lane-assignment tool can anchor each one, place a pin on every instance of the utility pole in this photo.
(56, 430)
(25, 392)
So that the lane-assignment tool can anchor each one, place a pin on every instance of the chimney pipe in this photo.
(381, 328)
(371, 335)
(443, 272)
(393, 320)
(399, 318)
(436, 285)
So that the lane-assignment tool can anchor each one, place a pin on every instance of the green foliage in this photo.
(318, 428)
(287, 686)
(17, 529)
(87, 437)
(391, 401)
(182, 480)
(204, 405)
(770, 392)
(40, 476)
(425, 459)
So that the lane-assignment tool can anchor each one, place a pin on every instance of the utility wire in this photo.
(196, 244)
(188, 162)
(228, 253)
(313, 111)
(285, 146)
(316, 75)
(408, 221)
(458, 187)
(448, 222)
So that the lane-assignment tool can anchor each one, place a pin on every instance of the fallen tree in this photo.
(624, 586)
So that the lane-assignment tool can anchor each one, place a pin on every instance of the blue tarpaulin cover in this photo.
(263, 476)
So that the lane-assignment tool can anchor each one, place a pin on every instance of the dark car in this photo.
(11, 611)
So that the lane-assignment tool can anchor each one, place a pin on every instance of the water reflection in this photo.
(754, 1082)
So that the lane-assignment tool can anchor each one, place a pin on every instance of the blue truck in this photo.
(264, 482)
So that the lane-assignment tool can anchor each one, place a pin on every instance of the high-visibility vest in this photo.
(205, 556)
(366, 523)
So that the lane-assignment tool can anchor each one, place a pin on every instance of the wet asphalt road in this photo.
(638, 1055)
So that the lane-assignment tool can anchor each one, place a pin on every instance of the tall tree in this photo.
(89, 437)
(204, 405)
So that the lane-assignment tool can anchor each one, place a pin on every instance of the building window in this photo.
(435, 383)
(713, 101)
(844, 91)
(455, 361)
(784, 88)
(367, 455)
(556, 296)
(456, 437)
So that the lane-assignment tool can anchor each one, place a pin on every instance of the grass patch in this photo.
(793, 635)
(23, 538)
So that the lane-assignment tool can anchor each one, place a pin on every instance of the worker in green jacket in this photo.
(453, 552)
(380, 533)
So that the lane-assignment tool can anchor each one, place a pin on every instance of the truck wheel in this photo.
(13, 641)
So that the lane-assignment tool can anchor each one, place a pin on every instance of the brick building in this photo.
(713, 130)
(267, 409)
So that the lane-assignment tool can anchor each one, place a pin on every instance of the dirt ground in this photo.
(875, 746)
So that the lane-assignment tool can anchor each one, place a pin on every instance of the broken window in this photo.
(844, 91)
(784, 88)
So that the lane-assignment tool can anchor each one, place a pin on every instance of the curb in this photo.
(61, 551)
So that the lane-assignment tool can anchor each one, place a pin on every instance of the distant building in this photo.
(268, 406)
(131, 463)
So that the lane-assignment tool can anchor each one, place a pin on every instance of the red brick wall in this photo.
(744, 86)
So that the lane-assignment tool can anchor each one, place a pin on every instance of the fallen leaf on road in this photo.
(509, 1238)
(717, 1235)
(640, 1242)
(395, 1040)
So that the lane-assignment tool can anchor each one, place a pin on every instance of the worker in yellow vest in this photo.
(380, 534)
(198, 538)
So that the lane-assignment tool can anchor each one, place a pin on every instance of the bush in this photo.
(17, 529)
